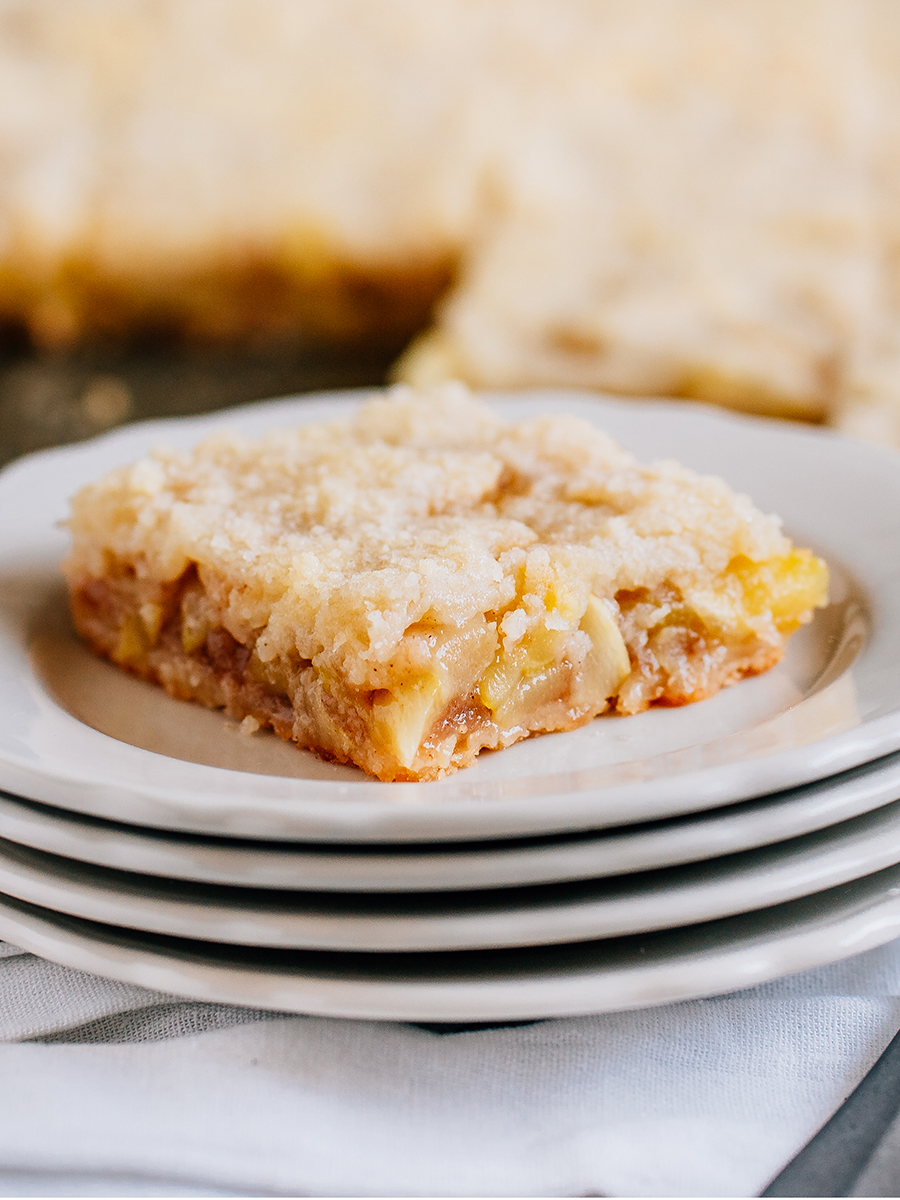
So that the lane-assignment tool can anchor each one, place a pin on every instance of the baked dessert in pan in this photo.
(406, 587)
(683, 200)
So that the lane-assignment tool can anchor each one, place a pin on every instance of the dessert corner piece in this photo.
(405, 587)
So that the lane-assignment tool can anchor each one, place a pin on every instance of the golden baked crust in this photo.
(405, 587)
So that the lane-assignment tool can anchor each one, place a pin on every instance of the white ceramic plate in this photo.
(453, 865)
(77, 733)
(568, 912)
(495, 985)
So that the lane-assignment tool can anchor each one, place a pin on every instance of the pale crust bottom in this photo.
(672, 666)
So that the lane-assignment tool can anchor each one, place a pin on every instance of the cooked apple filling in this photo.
(409, 586)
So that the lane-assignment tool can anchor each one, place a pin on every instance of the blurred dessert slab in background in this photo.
(694, 199)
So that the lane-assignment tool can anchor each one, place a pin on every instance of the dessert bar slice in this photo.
(405, 587)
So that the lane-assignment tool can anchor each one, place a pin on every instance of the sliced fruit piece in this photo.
(195, 622)
(788, 587)
(606, 663)
(402, 718)
(133, 643)
(537, 671)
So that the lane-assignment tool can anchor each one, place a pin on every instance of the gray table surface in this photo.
(51, 399)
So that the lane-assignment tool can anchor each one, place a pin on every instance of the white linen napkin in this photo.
(111, 1086)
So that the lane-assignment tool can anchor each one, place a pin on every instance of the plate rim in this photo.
(864, 789)
(736, 964)
(681, 896)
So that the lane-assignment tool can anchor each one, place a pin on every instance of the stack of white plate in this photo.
(634, 861)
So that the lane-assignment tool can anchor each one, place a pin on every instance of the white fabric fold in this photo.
(707, 1097)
